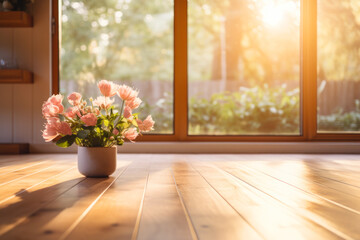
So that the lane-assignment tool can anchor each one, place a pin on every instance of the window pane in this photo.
(128, 41)
(244, 68)
(338, 65)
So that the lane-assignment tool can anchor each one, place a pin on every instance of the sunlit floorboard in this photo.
(178, 196)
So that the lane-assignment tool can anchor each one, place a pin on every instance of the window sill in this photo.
(219, 147)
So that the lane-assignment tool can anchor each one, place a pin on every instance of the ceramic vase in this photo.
(96, 161)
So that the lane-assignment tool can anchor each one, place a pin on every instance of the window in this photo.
(338, 66)
(127, 42)
(220, 70)
(244, 67)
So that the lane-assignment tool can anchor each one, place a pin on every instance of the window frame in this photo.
(308, 82)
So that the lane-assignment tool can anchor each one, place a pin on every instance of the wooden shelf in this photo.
(14, 148)
(15, 76)
(15, 19)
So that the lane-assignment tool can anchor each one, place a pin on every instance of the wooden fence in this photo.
(334, 95)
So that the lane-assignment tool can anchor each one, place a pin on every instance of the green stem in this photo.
(106, 110)
(122, 107)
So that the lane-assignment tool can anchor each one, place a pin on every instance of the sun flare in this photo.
(274, 14)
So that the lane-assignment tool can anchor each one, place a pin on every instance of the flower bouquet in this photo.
(98, 124)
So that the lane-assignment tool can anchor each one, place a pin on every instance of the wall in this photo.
(20, 105)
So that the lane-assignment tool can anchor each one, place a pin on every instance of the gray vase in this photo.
(97, 161)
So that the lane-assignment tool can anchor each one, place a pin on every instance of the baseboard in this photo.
(219, 147)
(14, 148)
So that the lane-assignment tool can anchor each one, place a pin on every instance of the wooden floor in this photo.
(182, 197)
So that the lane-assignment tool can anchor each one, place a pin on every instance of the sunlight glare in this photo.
(272, 15)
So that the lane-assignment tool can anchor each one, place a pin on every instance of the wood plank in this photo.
(19, 208)
(14, 188)
(301, 172)
(18, 166)
(211, 215)
(53, 219)
(167, 196)
(170, 220)
(276, 222)
(25, 172)
(119, 208)
(7, 161)
(336, 219)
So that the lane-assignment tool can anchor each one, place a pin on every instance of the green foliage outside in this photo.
(276, 112)
(341, 121)
(249, 111)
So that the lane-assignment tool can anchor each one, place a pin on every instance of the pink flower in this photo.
(146, 125)
(63, 128)
(89, 119)
(72, 112)
(51, 110)
(134, 103)
(50, 132)
(115, 132)
(56, 99)
(107, 88)
(74, 98)
(53, 106)
(54, 128)
(103, 102)
(126, 93)
(131, 134)
(127, 112)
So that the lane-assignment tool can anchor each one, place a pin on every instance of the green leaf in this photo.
(117, 120)
(120, 141)
(66, 141)
(62, 118)
(97, 130)
(83, 133)
(134, 123)
(106, 122)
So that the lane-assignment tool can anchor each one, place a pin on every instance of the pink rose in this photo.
(131, 134)
(103, 102)
(74, 98)
(146, 125)
(126, 93)
(107, 88)
(134, 103)
(127, 112)
(89, 119)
